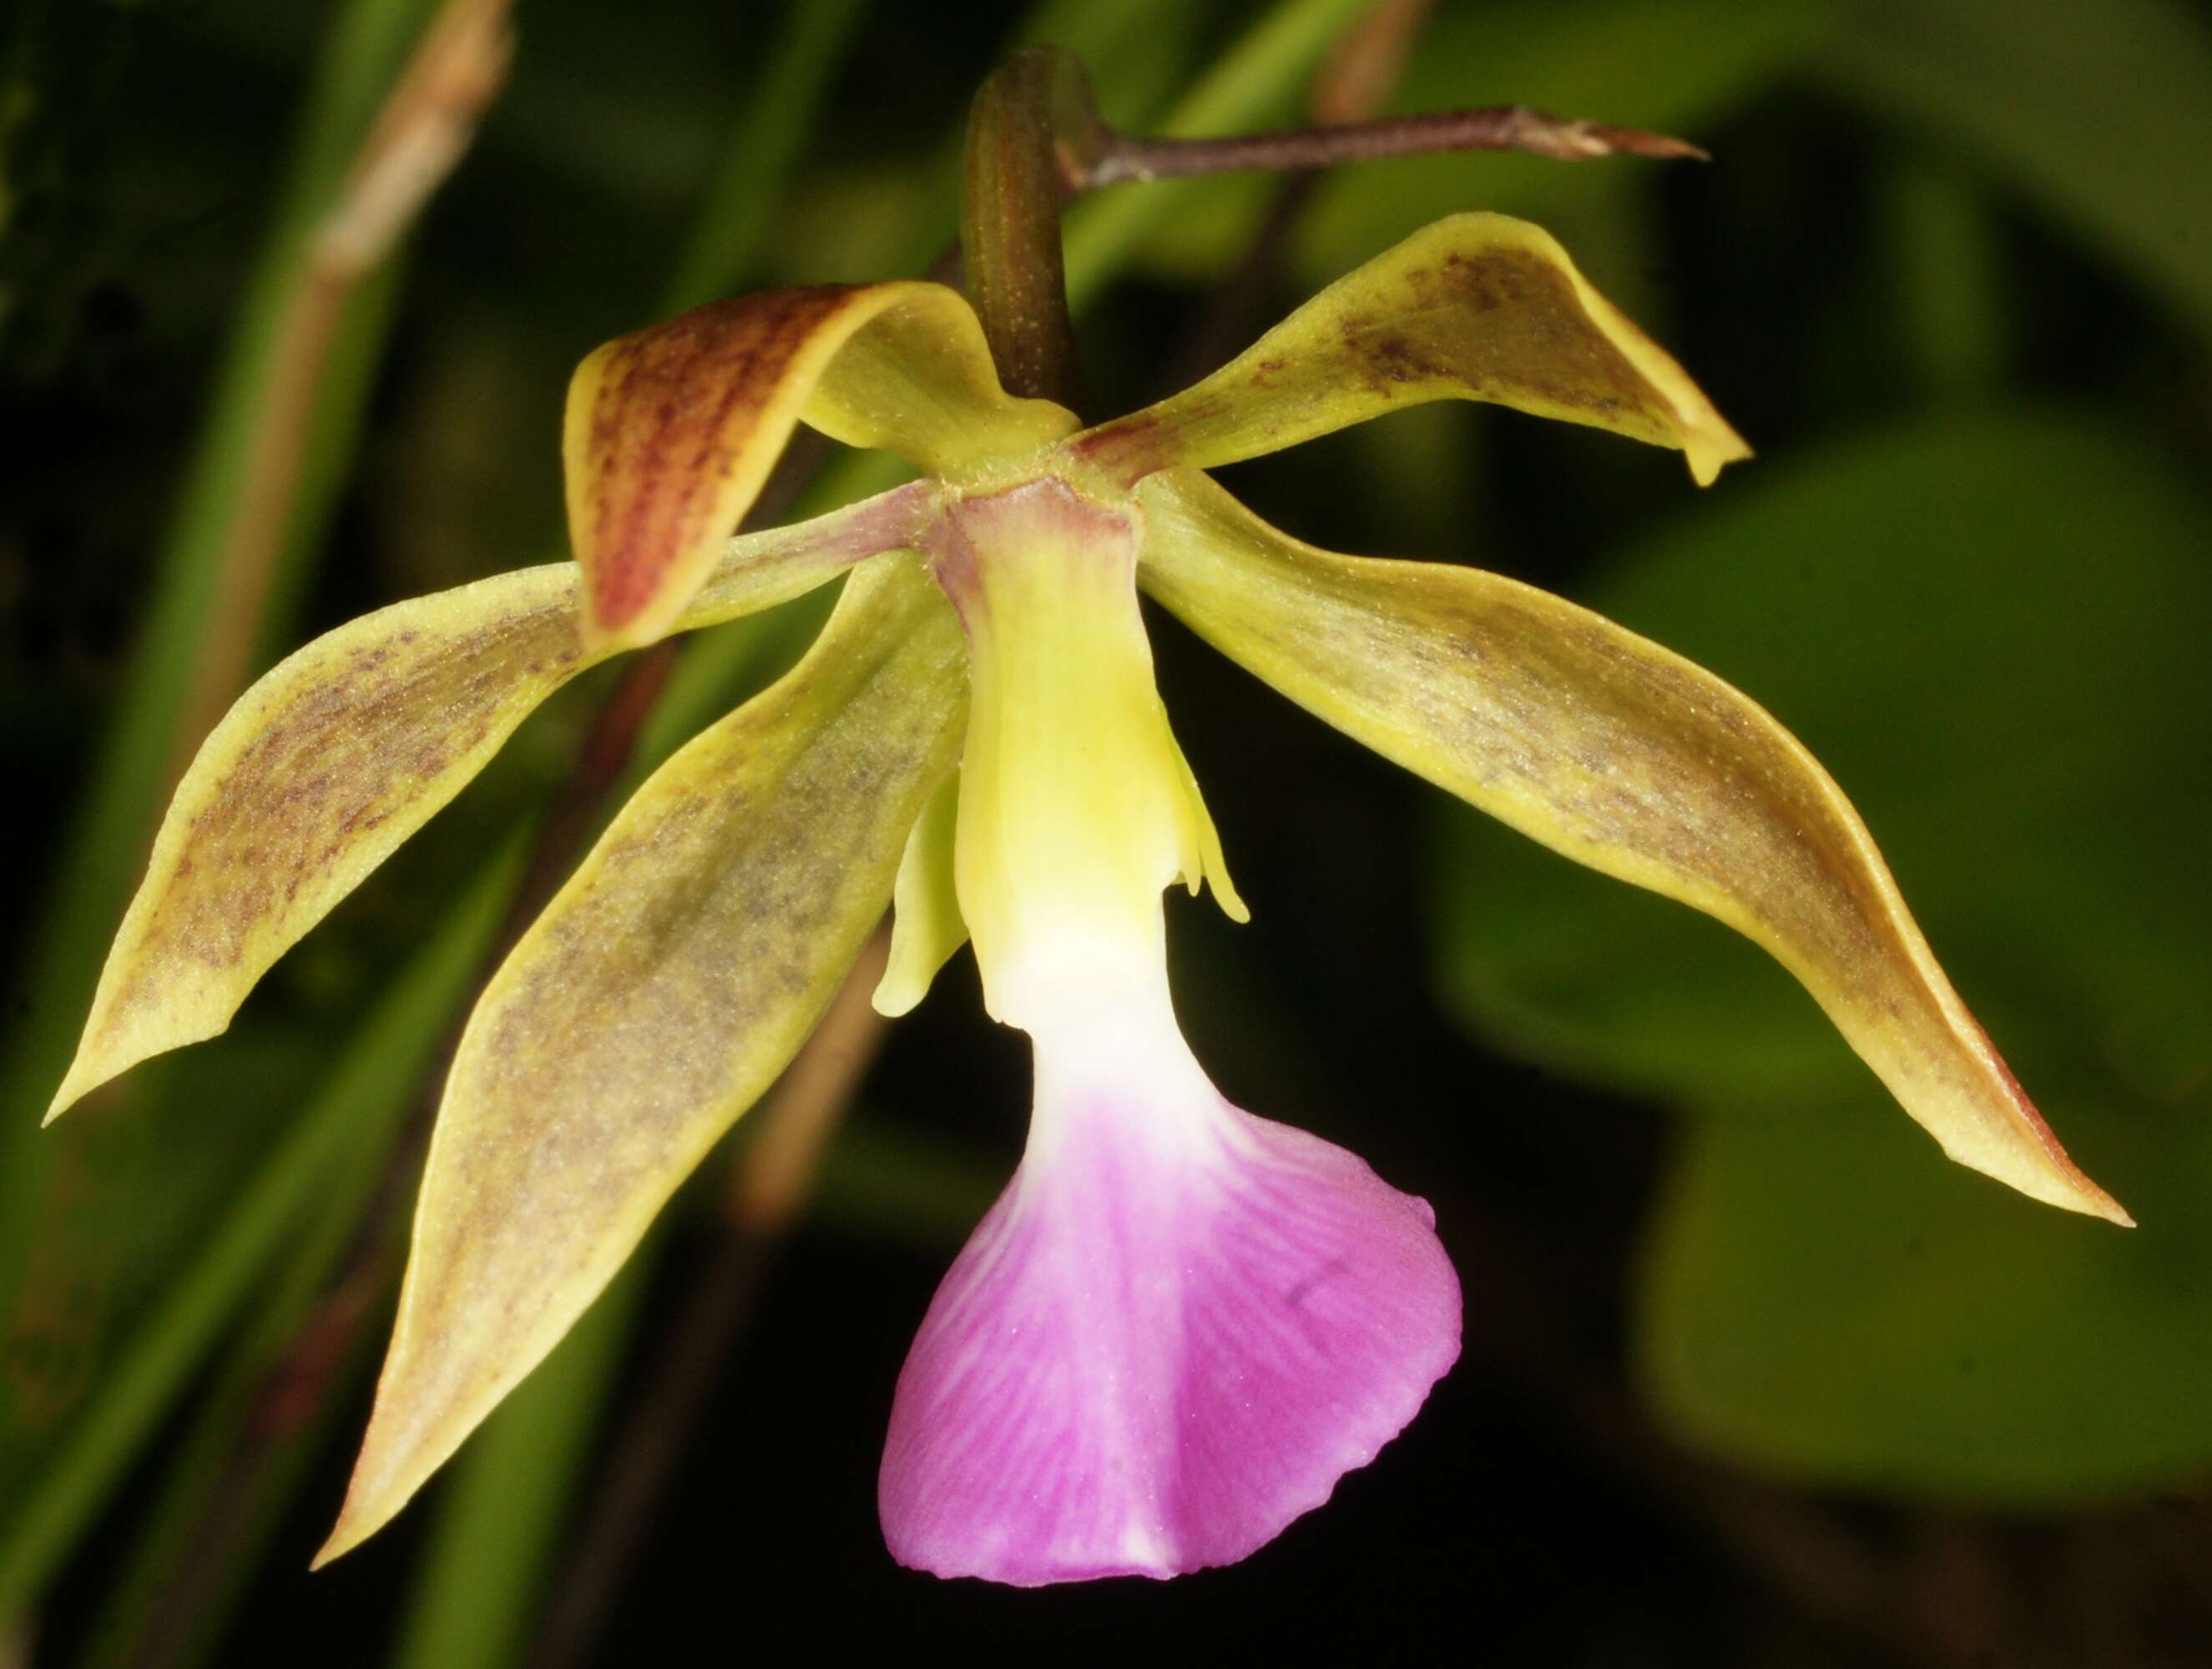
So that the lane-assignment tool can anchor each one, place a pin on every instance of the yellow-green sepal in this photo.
(659, 993)
(671, 431)
(1478, 306)
(1625, 757)
(343, 749)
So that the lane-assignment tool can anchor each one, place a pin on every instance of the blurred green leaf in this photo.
(1824, 1297)
(1945, 255)
(274, 1400)
(2100, 115)
(369, 1087)
(773, 126)
(128, 1204)
(367, 45)
(483, 1578)
(1674, 65)
(1991, 630)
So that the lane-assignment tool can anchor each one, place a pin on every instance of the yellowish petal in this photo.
(918, 380)
(1077, 806)
(660, 992)
(671, 431)
(926, 927)
(1623, 756)
(1474, 307)
(345, 750)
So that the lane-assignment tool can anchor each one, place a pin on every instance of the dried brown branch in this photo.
(1355, 80)
(1503, 128)
(416, 138)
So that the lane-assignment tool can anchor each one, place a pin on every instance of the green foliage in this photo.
(1991, 629)
(343, 1128)
(2094, 115)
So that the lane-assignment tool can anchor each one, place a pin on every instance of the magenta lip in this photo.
(1153, 1356)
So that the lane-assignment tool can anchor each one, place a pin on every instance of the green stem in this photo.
(777, 117)
(1011, 190)
(252, 1440)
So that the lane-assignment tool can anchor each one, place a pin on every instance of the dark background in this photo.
(1753, 1376)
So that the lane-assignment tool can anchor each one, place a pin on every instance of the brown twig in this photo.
(417, 137)
(766, 1193)
(297, 1386)
(1503, 128)
(1355, 80)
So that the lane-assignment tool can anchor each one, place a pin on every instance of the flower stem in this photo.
(1036, 140)
(1010, 198)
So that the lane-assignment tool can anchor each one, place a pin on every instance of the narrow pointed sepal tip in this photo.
(2058, 1180)
(2073, 1193)
(95, 1068)
(1710, 451)
(392, 1467)
(74, 1087)
(137, 1013)
(348, 1534)
(1982, 1117)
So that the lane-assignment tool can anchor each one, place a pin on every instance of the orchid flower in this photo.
(1181, 1324)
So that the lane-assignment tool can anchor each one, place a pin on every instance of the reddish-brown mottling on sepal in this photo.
(671, 432)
